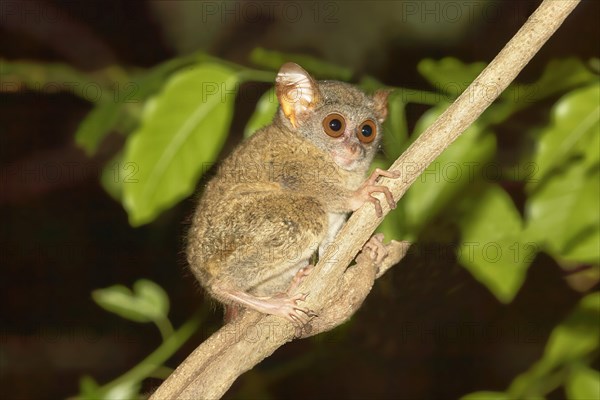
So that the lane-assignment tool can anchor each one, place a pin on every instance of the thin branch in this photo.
(336, 291)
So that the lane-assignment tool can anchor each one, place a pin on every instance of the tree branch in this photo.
(337, 291)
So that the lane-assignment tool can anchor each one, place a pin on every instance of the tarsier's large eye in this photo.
(334, 125)
(367, 131)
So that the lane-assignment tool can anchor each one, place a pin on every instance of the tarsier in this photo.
(284, 193)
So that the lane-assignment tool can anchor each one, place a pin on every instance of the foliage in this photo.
(572, 346)
(171, 144)
(148, 302)
(176, 117)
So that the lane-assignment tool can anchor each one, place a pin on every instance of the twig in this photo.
(336, 291)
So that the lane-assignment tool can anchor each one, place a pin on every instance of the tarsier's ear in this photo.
(380, 98)
(296, 90)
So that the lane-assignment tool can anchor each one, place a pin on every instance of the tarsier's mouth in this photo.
(346, 161)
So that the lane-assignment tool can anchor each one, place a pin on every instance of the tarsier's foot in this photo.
(286, 306)
(299, 277)
(375, 248)
(282, 305)
(365, 192)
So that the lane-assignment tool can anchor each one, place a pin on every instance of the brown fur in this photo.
(268, 208)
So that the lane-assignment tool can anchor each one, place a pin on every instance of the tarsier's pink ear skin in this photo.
(381, 100)
(296, 91)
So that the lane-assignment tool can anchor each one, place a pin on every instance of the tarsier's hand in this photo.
(364, 193)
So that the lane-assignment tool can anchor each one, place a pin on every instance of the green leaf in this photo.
(573, 131)
(123, 391)
(531, 383)
(119, 300)
(583, 383)
(392, 226)
(147, 303)
(570, 343)
(89, 389)
(491, 247)
(486, 396)
(564, 211)
(594, 64)
(182, 132)
(395, 136)
(558, 76)
(116, 173)
(150, 81)
(43, 77)
(147, 82)
(591, 151)
(586, 248)
(446, 178)
(121, 111)
(96, 125)
(450, 75)
(370, 84)
(153, 294)
(317, 67)
(263, 113)
(577, 336)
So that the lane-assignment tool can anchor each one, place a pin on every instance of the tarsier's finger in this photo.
(388, 196)
(378, 209)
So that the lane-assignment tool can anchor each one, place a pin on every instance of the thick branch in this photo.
(336, 291)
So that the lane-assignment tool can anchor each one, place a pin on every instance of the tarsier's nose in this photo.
(354, 149)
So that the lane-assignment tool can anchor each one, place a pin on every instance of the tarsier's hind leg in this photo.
(280, 233)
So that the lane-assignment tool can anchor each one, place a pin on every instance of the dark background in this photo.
(428, 330)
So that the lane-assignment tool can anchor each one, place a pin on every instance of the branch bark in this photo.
(337, 291)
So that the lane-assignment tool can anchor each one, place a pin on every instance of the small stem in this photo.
(161, 372)
(243, 73)
(256, 75)
(421, 96)
(165, 327)
(154, 361)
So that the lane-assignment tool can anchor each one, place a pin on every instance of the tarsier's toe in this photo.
(300, 318)
(299, 277)
(298, 315)
(375, 248)
(305, 271)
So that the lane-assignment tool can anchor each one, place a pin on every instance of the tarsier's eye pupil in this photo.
(335, 124)
(366, 130)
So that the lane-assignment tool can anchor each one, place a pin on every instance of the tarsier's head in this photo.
(335, 116)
